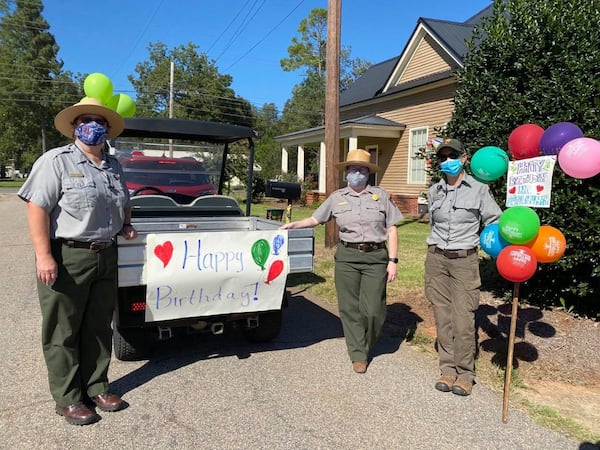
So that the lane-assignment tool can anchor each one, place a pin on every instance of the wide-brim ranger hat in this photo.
(65, 120)
(358, 157)
(453, 144)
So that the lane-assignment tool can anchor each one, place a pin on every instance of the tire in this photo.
(131, 344)
(269, 326)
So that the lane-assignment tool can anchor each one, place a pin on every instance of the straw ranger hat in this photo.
(358, 157)
(65, 120)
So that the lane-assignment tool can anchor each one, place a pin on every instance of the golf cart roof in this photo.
(194, 130)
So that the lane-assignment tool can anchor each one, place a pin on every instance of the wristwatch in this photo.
(394, 260)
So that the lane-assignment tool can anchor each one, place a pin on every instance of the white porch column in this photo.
(322, 168)
(300, 166)
(284, 160)
(352, 143)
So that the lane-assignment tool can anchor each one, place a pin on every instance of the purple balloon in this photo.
(557, 135)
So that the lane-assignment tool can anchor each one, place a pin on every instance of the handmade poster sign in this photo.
(198, 274)
(529, 182)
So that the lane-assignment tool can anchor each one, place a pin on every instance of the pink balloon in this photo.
(580, 158)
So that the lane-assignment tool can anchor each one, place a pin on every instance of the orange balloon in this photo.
(549, 244)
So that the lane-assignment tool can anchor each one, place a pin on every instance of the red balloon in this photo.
(516, 263)
(275, 270)
(524, 141)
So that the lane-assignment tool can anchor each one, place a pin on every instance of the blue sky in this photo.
(247, 38)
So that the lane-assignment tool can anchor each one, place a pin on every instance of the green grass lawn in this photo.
(12, 183)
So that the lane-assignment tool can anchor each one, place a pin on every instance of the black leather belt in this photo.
(364, 246)
(454, 254)
(90, 245)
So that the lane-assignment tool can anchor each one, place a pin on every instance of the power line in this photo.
(264, 37)
(227, 27)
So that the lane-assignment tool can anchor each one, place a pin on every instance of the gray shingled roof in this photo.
(453, 35)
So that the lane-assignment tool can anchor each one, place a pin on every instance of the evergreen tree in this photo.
(34, 88)
(538, 61)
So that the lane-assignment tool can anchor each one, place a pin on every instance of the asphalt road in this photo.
(219, 392)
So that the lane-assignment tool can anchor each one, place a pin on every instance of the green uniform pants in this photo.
(452, 287)
(76, 322)
(360, 282)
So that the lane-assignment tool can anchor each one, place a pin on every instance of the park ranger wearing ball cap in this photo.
(459, 206)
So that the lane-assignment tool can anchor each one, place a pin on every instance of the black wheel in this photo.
(131, 344)
(269, 326)
(147, 188)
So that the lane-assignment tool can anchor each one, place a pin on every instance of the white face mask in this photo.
(357, 179)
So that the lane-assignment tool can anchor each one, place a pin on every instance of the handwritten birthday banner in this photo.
(529, 182)
(204, 274)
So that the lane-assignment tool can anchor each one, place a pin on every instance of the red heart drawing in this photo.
(164, 252)
(512, 190)
(539, 188)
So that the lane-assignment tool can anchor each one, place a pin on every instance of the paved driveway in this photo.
(219, 392)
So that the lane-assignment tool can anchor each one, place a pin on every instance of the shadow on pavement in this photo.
(304, 323)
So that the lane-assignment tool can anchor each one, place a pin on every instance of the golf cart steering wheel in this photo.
(147, 188)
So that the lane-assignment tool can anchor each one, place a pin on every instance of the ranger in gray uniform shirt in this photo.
(77, 203)
(459, 206)
(367, 218)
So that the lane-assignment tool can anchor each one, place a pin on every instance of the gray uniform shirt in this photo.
(361, 217)
(85, 202)
(457, 214)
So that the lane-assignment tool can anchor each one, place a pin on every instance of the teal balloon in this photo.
(260, 252)
(489, 163)
(98, 86)
(519, 224)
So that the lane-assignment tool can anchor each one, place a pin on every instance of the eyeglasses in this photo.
(88, 119)
(360, 169)
(443, 157)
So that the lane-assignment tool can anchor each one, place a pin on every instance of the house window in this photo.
(416, 164)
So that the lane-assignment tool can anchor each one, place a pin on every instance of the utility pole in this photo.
(332, 109)
(171, 76)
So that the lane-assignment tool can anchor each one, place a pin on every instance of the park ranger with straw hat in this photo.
(366, 216)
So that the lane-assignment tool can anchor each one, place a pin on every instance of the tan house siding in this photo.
(430, 109)
(426, 60)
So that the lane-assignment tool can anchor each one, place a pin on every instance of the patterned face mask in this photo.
(357, 179)
(91, 133)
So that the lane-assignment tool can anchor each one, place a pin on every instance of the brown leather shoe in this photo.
(109, 402)
(445, 383)
(462, 387)
(77, 414)
(359, 366)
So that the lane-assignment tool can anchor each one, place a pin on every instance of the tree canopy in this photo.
(538, 62)
(34, 87)
(199, 90)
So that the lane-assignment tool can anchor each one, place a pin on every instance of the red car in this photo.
(182, 179)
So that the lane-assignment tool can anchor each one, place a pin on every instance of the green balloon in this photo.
(519, 224)
(260, 252)
(125, 106)
(113, 102)
(489, 163)
(98, 86)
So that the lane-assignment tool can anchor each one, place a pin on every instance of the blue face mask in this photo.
(451, 167)
(91, 133)
(357, 179)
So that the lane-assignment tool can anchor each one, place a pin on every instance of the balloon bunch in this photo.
(578, 156)
(518, 243)
(97, 85)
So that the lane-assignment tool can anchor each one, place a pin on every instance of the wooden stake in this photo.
(511, 346)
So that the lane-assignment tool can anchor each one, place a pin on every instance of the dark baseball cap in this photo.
(453, 144)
